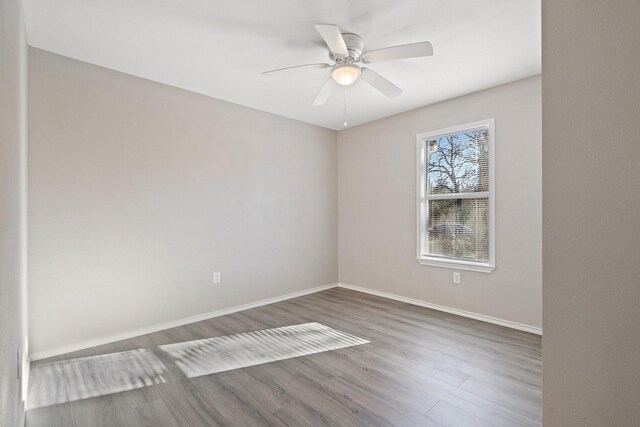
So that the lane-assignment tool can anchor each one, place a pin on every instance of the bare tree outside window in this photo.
(457, 187)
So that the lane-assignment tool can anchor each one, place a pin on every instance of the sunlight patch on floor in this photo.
(86, 377)
(219, 354)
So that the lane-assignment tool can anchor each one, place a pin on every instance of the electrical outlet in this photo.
(456, 278)
(217, 277)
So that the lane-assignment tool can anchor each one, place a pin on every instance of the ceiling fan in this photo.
(345, 49)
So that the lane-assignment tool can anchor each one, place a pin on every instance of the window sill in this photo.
(457, 265)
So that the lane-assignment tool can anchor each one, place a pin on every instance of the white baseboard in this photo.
(482, 317)
(168, 325)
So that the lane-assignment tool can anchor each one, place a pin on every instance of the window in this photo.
(455, 197)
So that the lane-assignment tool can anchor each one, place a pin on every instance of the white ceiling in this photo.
(219, 47)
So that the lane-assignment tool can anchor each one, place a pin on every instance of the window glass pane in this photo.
(459, 228)
(458, 163)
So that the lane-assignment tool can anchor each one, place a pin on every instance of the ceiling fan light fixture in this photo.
(346, 74)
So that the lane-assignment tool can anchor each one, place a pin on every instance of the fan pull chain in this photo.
(345, 106)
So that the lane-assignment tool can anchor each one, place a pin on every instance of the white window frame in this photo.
(422, 205)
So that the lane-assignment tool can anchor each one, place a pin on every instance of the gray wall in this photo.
(140, 191)
(377, 199)
(591, 188)
(13, 73)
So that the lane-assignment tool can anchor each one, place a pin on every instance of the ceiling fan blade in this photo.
(324, 92)
(398, 52)
(288, 70)
(380, 83)
(333, 38)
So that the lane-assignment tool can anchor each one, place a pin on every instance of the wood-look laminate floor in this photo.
(420, 368)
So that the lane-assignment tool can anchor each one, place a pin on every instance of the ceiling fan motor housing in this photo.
(355, 45)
